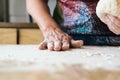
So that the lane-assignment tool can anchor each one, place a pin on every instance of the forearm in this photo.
(54, 38)
(39, 10)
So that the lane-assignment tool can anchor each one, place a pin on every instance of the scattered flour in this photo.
(28, 57)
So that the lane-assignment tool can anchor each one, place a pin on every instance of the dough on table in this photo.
(108, 7)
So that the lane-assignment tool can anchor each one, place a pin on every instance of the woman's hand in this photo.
(113, 24)
(56, 40)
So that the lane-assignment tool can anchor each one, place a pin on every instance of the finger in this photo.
(42, 45)
(65, 46)
(57, 46)
(66, 43)
(115, 20)
(50, 46)
(114, 28)
(76, 44)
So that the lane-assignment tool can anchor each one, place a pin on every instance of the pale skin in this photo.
(113, 24)
(54, 38)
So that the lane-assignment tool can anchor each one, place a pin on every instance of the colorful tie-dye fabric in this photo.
(78, 18)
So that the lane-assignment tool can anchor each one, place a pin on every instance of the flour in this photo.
(28, 57)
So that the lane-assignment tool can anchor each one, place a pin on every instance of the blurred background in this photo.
(16, 26)
(15, 10)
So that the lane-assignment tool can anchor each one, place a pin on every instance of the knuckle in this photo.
(65, 48)
(57, 48)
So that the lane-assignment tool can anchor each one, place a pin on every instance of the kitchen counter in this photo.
(26, 62)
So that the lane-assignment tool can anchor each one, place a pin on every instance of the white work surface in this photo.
(26, 62)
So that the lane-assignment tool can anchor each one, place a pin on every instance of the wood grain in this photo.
(7, 36)
(17, 25)
(30, 36)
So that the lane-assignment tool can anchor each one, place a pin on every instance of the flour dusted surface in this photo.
(26, 62)
(28, 56)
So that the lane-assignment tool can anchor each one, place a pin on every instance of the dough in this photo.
(108, 7)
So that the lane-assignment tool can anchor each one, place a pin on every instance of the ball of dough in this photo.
(108, 7)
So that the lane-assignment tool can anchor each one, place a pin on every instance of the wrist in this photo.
(49, 29)
(48, 26)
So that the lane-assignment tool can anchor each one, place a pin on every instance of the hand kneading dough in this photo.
(108, 7)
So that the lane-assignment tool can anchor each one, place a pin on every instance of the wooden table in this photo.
(26, 62)
(20, 33)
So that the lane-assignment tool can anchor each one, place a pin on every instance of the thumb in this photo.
(76, 44)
